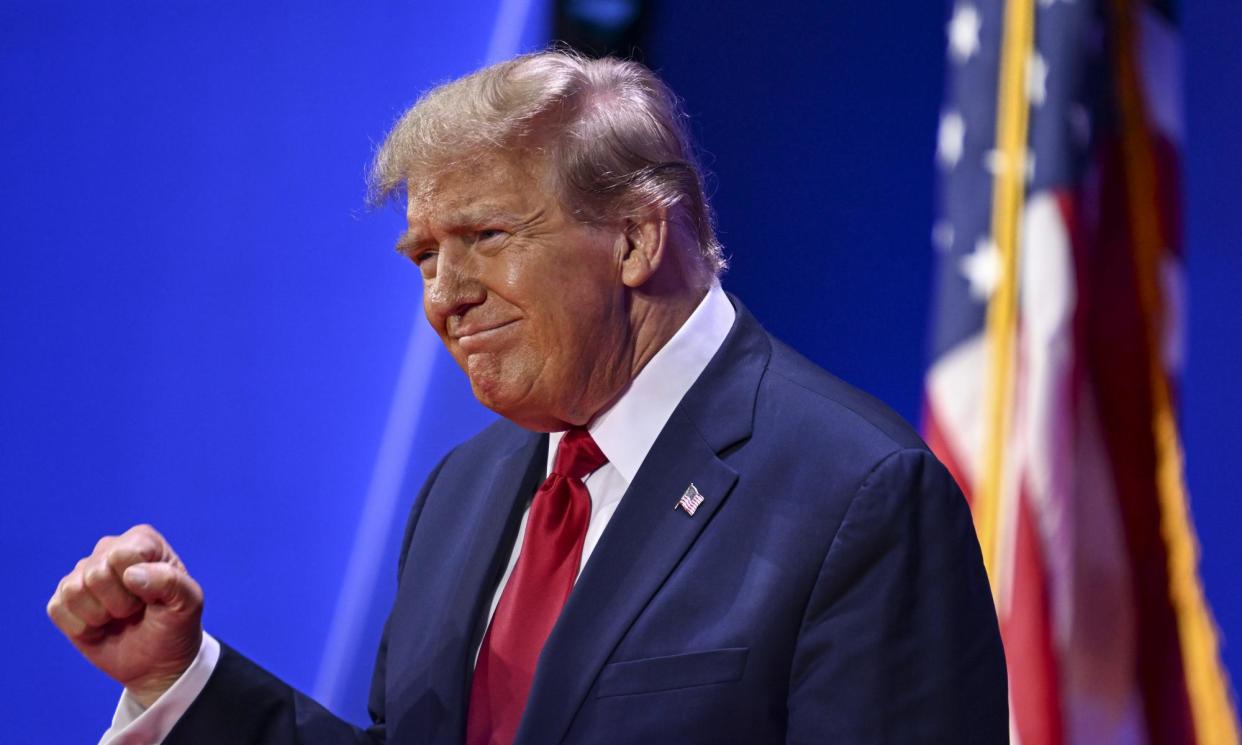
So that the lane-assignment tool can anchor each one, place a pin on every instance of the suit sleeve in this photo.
(246, 705)
(243, 704)
(899, 642)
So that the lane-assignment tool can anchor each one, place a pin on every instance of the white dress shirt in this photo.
(625, 434)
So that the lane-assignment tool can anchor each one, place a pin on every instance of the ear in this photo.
(646, 247)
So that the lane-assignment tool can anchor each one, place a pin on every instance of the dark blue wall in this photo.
(1212, 388)
(819, 121)
(202, 327)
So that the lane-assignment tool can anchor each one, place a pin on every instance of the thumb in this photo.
(161, 583)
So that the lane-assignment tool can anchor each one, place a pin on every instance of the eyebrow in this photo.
(458, 220)
(407, 243)
(474, 214)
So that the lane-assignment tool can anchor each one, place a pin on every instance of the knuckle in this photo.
(62, 620)
(144, 529)
(97, 576)
(70, 598)
(130, 551)
(63, 617)
(103, 543)
(146, 542)
(86, 607)
(71, 625)
(71, 585)
(115, 557)
(91, 616)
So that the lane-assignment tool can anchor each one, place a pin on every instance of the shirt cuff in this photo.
(132, 724)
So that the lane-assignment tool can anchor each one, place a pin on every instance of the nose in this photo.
(454, 290)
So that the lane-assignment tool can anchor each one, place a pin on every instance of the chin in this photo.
(488, 394)
(497, 395)
(518, 409)
(516, 391)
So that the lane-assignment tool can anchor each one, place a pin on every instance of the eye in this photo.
(425, 261)
(489, 234)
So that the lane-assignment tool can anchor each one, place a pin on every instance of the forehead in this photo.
(482, 184)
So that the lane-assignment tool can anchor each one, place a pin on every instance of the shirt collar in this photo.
(627, 430)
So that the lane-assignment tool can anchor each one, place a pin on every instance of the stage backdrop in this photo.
(204, 328)
(819, 121)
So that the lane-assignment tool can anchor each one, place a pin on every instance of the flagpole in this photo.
(1008, 196)
(1212, 710)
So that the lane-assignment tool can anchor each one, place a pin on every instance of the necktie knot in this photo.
(577, 455)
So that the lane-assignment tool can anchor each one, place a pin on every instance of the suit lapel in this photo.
(646, 538)
(492, 542)
(492, 516)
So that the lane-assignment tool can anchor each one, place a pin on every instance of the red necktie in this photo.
(537, 590)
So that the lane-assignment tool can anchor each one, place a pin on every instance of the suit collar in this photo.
(721, 404)
(628, 429)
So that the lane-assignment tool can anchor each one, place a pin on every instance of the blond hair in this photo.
(613, 133)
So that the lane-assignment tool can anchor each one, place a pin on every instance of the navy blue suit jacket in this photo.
(828, 590)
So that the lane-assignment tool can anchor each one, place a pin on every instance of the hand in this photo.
(133, 611)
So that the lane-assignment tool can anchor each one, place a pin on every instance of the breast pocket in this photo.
(673, 672)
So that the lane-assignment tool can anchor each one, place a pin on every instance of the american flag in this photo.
(690, 500)
(1056, 346)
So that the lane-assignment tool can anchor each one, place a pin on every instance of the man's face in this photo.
(528, 300)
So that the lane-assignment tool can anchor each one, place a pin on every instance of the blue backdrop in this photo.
(203, 328)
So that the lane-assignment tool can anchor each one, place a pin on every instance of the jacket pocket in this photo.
(669, 673)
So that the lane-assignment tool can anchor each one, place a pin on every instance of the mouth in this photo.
(476, 339)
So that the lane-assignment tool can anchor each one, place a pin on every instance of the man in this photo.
(757, 553)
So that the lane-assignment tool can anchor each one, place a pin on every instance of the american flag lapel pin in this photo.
(690, 500)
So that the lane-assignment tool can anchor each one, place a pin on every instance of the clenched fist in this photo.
(133, 611)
